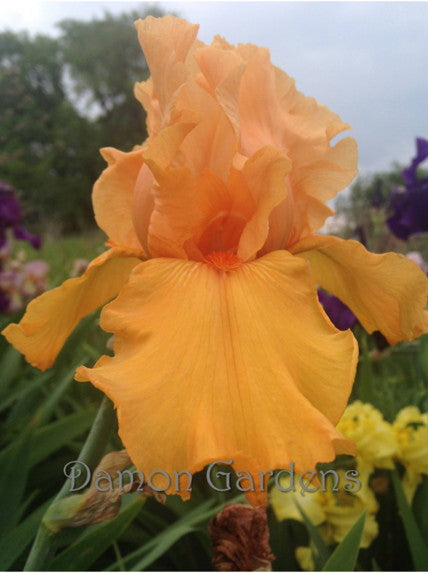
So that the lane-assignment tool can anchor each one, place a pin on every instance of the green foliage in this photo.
(62, 99)
(47, 148)
(394, 378)
(104, 72)
(321, 552)
(417, 545)
(15, 466)
(345, 555)
(18, 538)
(81, 554)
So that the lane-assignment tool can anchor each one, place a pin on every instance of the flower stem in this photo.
(44, 544)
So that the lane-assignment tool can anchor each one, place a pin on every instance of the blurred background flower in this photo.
(340, 315)
(20, 281)
(10, 218)
(410, 203)
(332, 512)
(411, 430)
(417, 258)
(373, 436)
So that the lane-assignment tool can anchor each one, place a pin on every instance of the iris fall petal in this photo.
(213, 365)
(51, 317)
(386, 292)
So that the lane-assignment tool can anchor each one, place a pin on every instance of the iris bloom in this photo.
(410, 205)
(334, 512)
(373, 437)
(222, 349)
(10, 218)
(338, 313)
(20, 282)
(411, 428)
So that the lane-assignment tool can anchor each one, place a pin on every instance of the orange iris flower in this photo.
(222, 349)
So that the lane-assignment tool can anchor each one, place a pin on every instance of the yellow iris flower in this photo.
(411, 429)
(373, 437)
(304, 558)
(221, 347)
(334, 512)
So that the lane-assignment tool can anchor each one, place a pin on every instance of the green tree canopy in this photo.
(104, 60)
(61, 99)
(44, 142)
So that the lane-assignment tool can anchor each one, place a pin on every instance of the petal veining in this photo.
(211, 365)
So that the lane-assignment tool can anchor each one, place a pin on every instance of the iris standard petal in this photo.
(166, 43)
(214, 365)
(51, 317)
(386, 292)
(113, 197)
(265, 174)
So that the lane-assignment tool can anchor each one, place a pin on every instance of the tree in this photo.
(104, 60)
(61, 100)
(43, 140)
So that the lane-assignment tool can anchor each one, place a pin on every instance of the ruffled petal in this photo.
(214, 365)
(226, 208)
(113, 197)
(265, 175)
(212, 144)
(166, 43)
(273, 112)
(51, 317)
(265, 109)
(386, 292)
(173, 227)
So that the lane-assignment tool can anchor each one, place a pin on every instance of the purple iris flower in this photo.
(10, 217)
(410, 205)
(4, 302)
(339, 314)
(12, 292)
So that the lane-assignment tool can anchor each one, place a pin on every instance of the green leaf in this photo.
(15, 541)
(161, 542)
(81, 555)
(323, 552)
(41, 553)
(419, 506)
(23, 389)
(13, 479)
(48, 439)
(9, 365)
(45, 411)
(417, 546)
(367, 382)
(345, 555)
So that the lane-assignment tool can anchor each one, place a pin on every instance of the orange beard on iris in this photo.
(222, 350)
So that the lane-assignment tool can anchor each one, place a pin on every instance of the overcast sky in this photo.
(367, 61)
